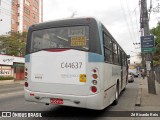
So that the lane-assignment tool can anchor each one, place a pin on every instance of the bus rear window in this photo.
(76, 37)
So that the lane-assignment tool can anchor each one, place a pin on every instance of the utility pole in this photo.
(148, 57)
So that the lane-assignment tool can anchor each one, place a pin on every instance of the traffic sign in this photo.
(148, 50)
(147, 41)
(147, 44)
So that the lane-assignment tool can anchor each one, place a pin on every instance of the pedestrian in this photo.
(142, 73)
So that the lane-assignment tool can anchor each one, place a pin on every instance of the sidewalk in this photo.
(148, 102)
(9, 82)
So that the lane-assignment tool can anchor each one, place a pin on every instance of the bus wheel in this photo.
(115, 102)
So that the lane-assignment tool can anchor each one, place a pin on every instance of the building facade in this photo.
(12, 66)
(20, 14)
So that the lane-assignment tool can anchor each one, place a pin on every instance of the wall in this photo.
(12, 66)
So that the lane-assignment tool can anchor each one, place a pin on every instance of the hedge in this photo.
(6, 78)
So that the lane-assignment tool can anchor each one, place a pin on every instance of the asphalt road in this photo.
(12, 99)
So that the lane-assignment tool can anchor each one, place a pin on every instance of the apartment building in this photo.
(20, 14)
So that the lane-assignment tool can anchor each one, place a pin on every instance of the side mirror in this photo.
(128, 56)
(128, 61)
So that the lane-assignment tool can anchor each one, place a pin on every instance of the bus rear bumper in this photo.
(90, 102)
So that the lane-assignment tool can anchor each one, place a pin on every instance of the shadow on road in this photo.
(65, 111)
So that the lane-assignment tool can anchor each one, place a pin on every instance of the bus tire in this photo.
(115, 102)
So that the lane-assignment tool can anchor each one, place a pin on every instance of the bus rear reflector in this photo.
(26, 84)
(82, 78)
(31, 94)
(93, 89)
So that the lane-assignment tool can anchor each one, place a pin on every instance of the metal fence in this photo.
(157, 71)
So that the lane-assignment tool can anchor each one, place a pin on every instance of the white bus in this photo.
(74, 62)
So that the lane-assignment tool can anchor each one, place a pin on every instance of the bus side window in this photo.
(107, 45)
(115, 53)
(119, 59)
(123, 59)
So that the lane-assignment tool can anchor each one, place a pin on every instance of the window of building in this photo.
(35, 9)
(25, 27)
(13, 2)
(26, 19)
(12, 21)
(27, 2)
(34, 16)
(13, 12)
(35, 2)
(26, 11)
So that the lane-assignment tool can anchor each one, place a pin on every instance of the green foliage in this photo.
(156, 32)
(6, 78)
(13, 44)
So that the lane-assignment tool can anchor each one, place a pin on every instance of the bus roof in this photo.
(64, 22)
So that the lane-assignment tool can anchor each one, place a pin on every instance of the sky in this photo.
(120, 17)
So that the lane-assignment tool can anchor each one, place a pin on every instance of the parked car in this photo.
(130, 77)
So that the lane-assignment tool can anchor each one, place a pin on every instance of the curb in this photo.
(138, 99)
(10, 82)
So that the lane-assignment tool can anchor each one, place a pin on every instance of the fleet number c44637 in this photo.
(72, 65)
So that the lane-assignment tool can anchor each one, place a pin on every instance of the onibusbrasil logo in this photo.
(20, 114)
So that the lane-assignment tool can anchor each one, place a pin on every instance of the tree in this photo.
(156, 32)
(13, 44)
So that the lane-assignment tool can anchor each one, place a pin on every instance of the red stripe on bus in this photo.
(56, 50)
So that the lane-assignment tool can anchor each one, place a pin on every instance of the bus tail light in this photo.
(26, 73)
(94, 70)
(94, 82)
(93, 89)
(26, 84)
(95, 76)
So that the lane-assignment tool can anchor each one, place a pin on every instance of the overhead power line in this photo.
(131, 20)
(124, 14)
(135, 11)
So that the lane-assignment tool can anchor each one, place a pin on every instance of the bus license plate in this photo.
(56, 100)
